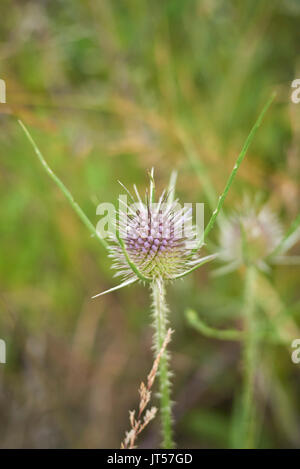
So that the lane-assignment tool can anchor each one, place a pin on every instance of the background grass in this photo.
(110, 89)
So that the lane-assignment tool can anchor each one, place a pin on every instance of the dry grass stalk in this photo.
(144, 418)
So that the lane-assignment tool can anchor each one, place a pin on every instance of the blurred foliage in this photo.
(110, 89)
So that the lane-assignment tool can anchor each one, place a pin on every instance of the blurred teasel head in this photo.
(253, 236)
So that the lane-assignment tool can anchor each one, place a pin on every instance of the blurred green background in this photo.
(110, 89)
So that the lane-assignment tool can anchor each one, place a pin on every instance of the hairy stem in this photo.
(249, 359)
(160, 311)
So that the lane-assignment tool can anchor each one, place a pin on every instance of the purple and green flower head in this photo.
(155, 239)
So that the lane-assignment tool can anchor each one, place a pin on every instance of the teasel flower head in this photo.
(253, 235)
(154, 240)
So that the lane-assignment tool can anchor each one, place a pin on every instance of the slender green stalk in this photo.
(63, 188)
(233, 335)
(249, 359)
(160, 311)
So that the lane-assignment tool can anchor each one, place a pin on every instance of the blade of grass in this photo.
(172, 185)
(152, 187)
(63, 188)
(199, 168)
(234, 171)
